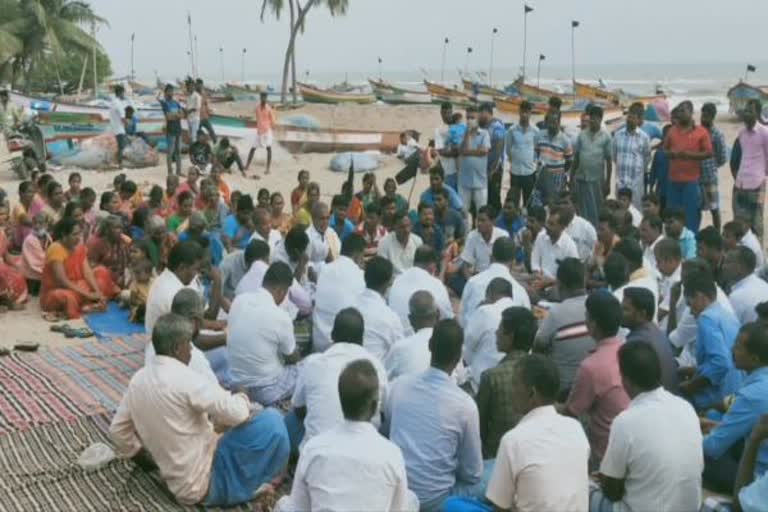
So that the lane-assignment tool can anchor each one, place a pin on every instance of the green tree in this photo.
(298, 17)
(72, 66)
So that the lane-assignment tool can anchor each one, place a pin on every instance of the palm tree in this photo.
(298, 15)
(10, 31)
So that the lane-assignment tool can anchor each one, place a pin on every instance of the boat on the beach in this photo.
(441, 93)
(597, 93)
(511, 105)
(742, 92)
(536, 94)
(485, 93)
(396, 95)
(312, 94)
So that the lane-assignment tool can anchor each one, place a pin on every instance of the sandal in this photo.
(62, 328)
(82, 332)
(26, 346)
(52, 317)
(5, 351)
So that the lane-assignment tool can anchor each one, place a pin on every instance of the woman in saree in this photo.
(109, 247)
(70, 287)
(13, 286)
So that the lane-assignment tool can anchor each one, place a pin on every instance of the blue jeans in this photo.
(462, 493)
(173, 147)
(686, 196)
(219, 360)
(247, 457)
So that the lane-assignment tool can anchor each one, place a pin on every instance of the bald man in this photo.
(411, 355)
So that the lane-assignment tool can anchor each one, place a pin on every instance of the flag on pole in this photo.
(469, 49)
(189, 18)
(528, 9)
(495, 30)
(133, 36)
(751, 68)
(379, 60)
(542, 56)
(574, 24)
(446, 40)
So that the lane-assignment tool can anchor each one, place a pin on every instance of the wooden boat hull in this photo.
(598, 94)
(407, 98)
(511, 105)
(314, 95)
(538, 94)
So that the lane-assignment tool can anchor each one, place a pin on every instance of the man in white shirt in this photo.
(411, 355)
(166, 418)
(419, 277)
(651, 233)
(747, 290)
(324, 243)
(337, 286)
(382, 325)
(235, 265)
(351, 467)
(192, 110)
(293, 251)
(654, 458)
(552, 245)
(503, 258)
(399, 246)
(624, 195)
(542, 462)
(262, 347)
(737, 232)
(476, 255)
(480, 352)
(578, 228)
(183, 266)
(316, 397)
(639, 276)
(117, 121)
(668, 260)
(263, 230)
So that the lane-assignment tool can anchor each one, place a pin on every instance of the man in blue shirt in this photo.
(437, 426)
(173, 114)
(339, 221)
(450, 221)
(674, 228)
(436, 184)
(714, 376)
(497, 132)
(520, 146)
(238, 227)
(510, 219)
(430, 233)
(750, 354)
(473, 164)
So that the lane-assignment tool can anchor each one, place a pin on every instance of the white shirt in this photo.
(168, 410)
(542, 465)
(745, 295)
(382, 325)
(655, 446)
(116, 115)
(751, 241)
(321, 245)
(480, 351)
(649, 256)
(401, 257)
(477, 252)
(409, 355)
(648, 282)
(194, 101)
(684, 336)
(474, 290)
(348, 469)
(637, 217)
(411, 281)
(273, 238)
(545, 254)
(259, 333)
(164, 288)
(584, 236)
(297, 300)
(665, 289)
(317, 387)
(337, 286)
(449, 164)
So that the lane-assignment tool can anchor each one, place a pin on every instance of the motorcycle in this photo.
(28, 144)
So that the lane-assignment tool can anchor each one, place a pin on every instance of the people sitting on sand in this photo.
(109, 247)
(303, 214)
(300, 193)
(33, 252)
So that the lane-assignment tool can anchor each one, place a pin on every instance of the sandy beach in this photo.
(28, 325)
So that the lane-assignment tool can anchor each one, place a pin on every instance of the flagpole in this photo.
(466, 63)
(133, 69)
(574, 24)
(442, 69)
(191, 47)
(197, 59)
(493, 37)
(379, 69)
(526, 10)
(242, 67)
(538, 71)
(221, 63)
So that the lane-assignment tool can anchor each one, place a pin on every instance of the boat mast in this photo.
(95, 73)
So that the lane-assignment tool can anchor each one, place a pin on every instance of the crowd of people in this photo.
(571, 347)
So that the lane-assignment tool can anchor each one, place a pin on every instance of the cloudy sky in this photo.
(408, 34)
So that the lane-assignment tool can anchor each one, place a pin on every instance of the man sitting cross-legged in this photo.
(173, 417)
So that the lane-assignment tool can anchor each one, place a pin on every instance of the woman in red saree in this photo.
(70, 286)
(13, 286)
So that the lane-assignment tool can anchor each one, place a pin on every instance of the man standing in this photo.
(710, 189)
(497, 132)
(554, 153)
(167, 418)
(750, 167)
(265, 122)
(173, 113)
(205, 112)
(117, 121)
(521, 153)
(654, 459)
(448, 155)
(592, 167)
(194, 104)
(686, 146)
(632, 154)
(473, 172)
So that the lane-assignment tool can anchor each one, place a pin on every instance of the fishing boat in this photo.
(742, 92)
(396, 95)
(441, 93)
(312, 94)
(538, 94)
(596, 93)
(511, 105)
(487, 93)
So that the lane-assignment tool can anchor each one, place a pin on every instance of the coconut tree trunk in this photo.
(293, 53)
(295, 27)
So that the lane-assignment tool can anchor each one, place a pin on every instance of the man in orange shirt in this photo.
(265, 121)
(686, 146)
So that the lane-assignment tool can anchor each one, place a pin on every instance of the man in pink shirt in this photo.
(265, 121)
(598, 391)
(751, 168)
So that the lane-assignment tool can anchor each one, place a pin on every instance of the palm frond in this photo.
(275, 7)
(80, 12)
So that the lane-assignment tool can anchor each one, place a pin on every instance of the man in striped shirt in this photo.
(554, 153)
(632, 154)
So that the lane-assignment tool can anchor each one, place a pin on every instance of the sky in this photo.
(408, 35)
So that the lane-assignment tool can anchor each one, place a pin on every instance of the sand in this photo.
(29, 326)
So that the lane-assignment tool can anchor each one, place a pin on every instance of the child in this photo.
(456, 132)
(141, 282)
(668, 258)
(299, 194)
(407, 146)
(262, 199)
(33, 252)
(200, 152)
(625, 198)
(75, 180)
